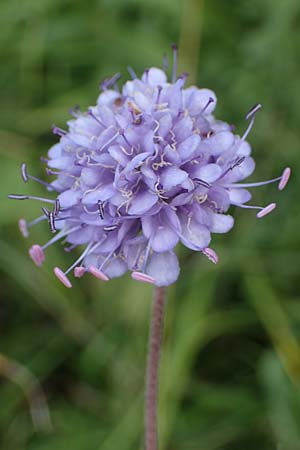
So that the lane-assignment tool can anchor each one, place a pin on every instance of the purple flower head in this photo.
(144, 169)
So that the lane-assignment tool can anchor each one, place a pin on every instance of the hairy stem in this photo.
(152, 375)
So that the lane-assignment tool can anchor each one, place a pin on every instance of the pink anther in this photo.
(266, 210)
(79, 271)
(23, 227)
(211, 254)
(138, 276)
(284, 178)
(98, 274)
(62, 277)
(37, 254)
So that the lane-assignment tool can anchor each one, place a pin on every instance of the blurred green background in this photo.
(231, 363)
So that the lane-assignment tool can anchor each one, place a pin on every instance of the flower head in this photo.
(145, 168)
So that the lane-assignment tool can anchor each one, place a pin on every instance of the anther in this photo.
(253, 110)
(36, 253)
(52, 222)
(76, 111)
(23, 227)
(58, 131)
(25, 177)
(138, 276)
(159, 89)
(18, 197)
(98, 273)
(284, 178)
(101, 209)
(211, 255)
(29, 197)
(79, 271)
(110, 82)
(210, 100)
(238, 162)
(266, 210)
(56, 208)
(24, 172)
(46, 212)
(110, 228)
(202, 182)
(62, 277)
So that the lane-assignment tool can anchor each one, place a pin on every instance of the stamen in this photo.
(238, 162)
(122, 133)
(146, 72)
(110, 82)
(60, 235)
(52, 222)
(251, 115)
(24, 172)
(266, 210)
(131, 72)
(98, 274)
(210, 100)
(58, 131)
(75, 112)
(211, 255)
(109, 141)
(202, 182)
(101, 209)
(159, 89)
(70, 248)
(29, 197)
(174, 71)
(62, 277)
(183, 77)
(23, 228)
(26, 176)
(36, 253)
(87, 250)
(245, 135)
(138, 276)
(46, 212)
(253, 110)
(90, 113)
(284, 178)
(56, 208)
(23, 225)
(110, 228)
(79, 271)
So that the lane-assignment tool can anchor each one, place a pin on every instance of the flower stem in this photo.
(152, 375)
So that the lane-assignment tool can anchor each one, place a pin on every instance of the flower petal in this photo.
(154, 77)
(69, 198)
(208, 172)
(172, 176)
(103, 193)
(188, 147)
(239, 196)
(163, 268)
(164, 239)
(194, 235)
(142, 202)
(221, 223)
